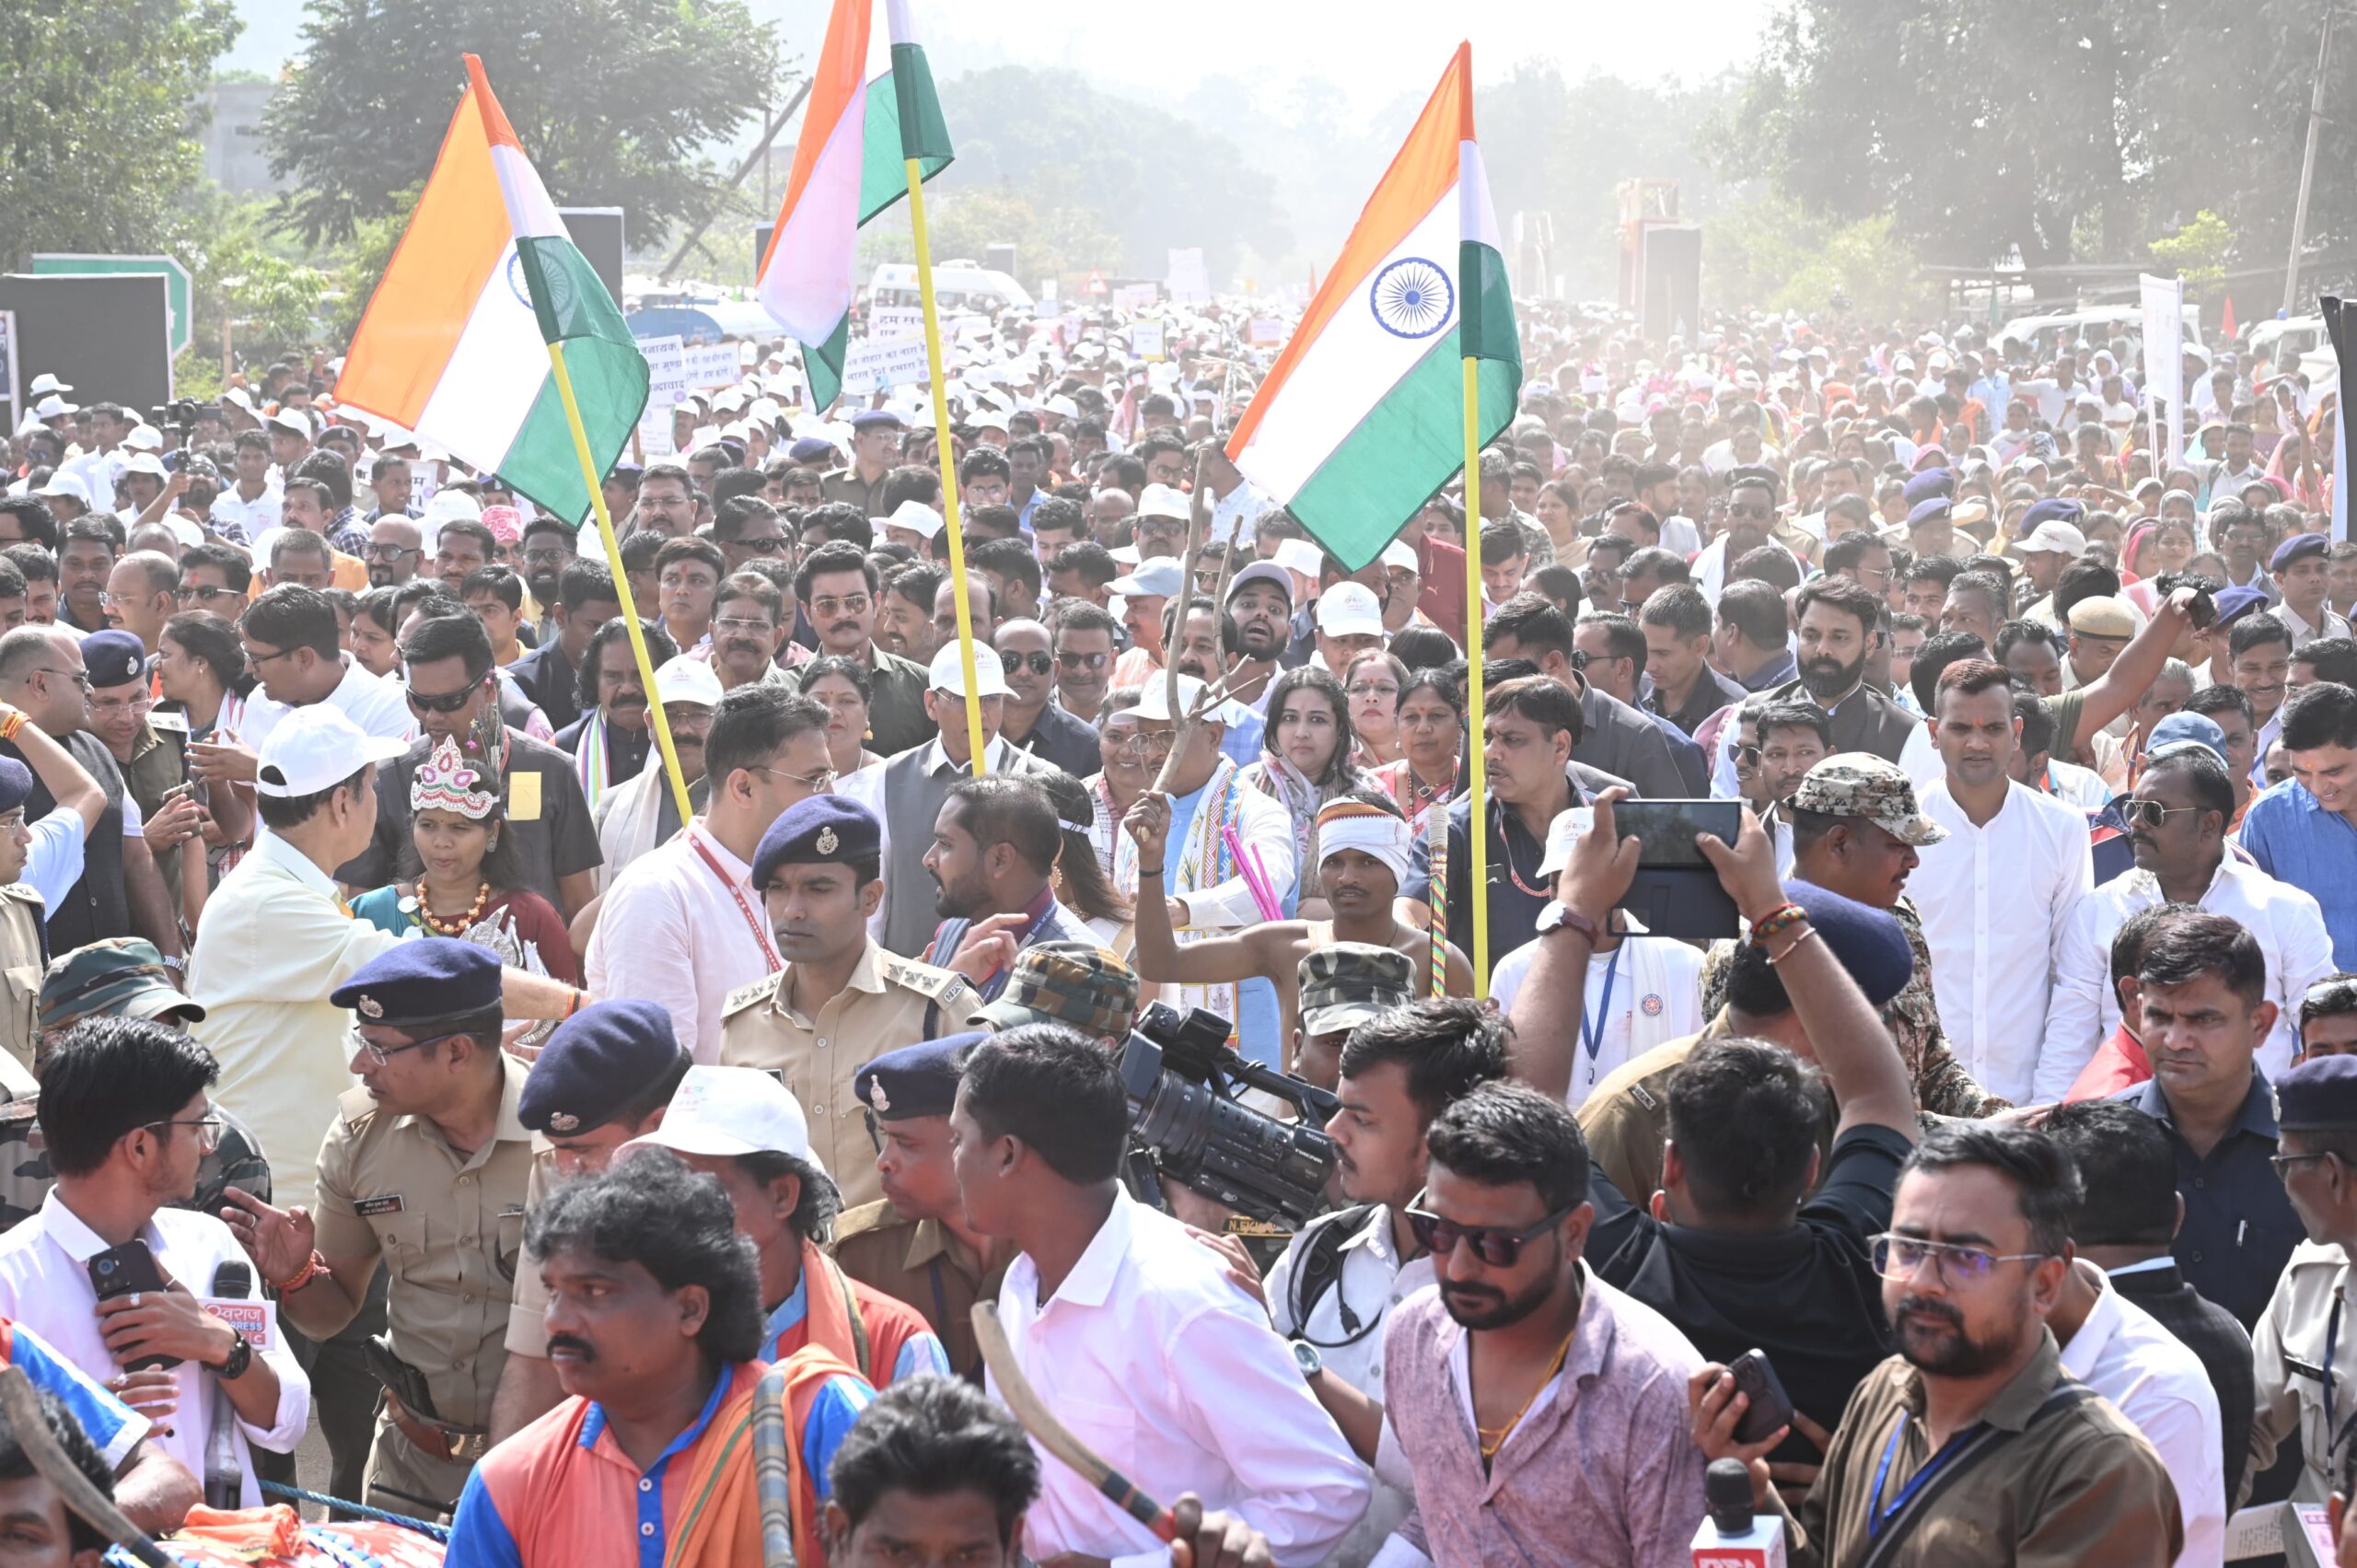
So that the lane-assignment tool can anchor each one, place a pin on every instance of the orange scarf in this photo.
(723, 1524)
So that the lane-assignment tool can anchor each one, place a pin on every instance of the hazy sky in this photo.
(1376, 50)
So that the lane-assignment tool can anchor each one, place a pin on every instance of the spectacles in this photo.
(383, 1054)
(209, 1128)
(1154, 745)
(1081, 661)
(1753, 512)
(395, 552)
(441, 703)
(203, 596)
(2284, 1163)
(2148, 814)
(857, 604)
(1499, 1249)
(139, 701)
(772, 545)
(819, 782)
(79, 677)
(1903, 1257)
(1036, 663)
(548, 555)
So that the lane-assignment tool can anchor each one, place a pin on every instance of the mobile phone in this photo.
(1676, 891)
(119, 1271)
(1771, 1407)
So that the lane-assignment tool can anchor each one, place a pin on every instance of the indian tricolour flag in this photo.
(871, 107)
(454, 344)
(1361, 419)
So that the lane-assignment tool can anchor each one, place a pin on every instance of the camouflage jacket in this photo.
(1943, 1087)
(26, 1179)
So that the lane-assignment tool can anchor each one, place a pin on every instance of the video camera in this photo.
(1185, 1086)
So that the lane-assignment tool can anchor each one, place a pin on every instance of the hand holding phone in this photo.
(1770, 1409)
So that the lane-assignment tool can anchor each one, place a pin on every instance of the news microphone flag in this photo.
(871, 107)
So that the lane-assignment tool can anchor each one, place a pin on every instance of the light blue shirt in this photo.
(2293, 839)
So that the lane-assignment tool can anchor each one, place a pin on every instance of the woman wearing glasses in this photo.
(463, 871)
(840, 685)
(1431, 726)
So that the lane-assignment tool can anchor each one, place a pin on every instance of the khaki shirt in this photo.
(1626, 1117)
(2080, 1485)
(911, 1261)
(527, 1333)
(890, 1002)
(2287, 1359)
(846, 486)
(450, 1232)
(21, 915)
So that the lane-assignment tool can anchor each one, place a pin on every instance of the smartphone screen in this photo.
(1665, 830)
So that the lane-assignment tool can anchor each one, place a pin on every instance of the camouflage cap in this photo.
(1345, 983)
(1065, 982)
(119, 977)
(1858, 784)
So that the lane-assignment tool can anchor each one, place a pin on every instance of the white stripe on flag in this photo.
(494, 373)
(530, 214)
(903, 24)
(1476, 218)
(808, 285)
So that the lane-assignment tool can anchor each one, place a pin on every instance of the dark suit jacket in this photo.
(1866, 720)
(1618, 739)
(2216, 1336)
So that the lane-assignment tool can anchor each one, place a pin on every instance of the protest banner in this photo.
(1146, 341)
(896, 321)
(667, 383)
(2163, 300)
(712, 364)
(874, 366)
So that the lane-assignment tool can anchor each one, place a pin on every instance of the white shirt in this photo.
(2286, 920)
(1656, 997)
(2151, 1377)
(45, 1281)
(2075, 785)
(674, 932)
(2302, 633)
(1373, 1281)
(1994, 902)
(276, 939)
(379, 707)
(262, 512)
(1163, 1367)
(55, 859)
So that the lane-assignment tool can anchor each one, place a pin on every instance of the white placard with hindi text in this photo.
(1135, 295)
(895, 322)
(1145, 340)
(667, 383)
(713, 365)
(873, 364)
(2163, 301)
(1267, 332)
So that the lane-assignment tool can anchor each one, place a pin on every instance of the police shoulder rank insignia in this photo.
(827, 840)
(563, 1122)
(370, 1008)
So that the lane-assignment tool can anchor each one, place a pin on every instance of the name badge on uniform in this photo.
(523, 798)
(2299, 1368)
(370, 1208)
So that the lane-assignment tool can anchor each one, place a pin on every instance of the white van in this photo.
(957, 286)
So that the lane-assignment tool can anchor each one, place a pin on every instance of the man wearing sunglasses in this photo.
(1034, 720)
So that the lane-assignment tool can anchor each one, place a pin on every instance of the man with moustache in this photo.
(1971, 1446)
(748, 624)
(551, 674)
(836, 588)
(547, 548)
(643, 811)
(1259, 614)
(1033, 719)
(1836, 617)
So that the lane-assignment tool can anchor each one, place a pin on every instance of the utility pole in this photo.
(2307, 168)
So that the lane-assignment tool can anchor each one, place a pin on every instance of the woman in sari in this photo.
(843, 688)
(1431, 735)
(1372, 682)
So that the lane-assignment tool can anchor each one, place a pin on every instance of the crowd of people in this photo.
(1983, 1187)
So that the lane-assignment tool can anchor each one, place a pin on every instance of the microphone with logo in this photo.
(224, 1479)
(1731, 1535)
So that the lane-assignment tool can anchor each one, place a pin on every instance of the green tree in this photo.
(95, 133)
(2197, 252)
(613, 100)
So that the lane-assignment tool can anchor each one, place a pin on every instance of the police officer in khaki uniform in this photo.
(27, 867)
(424, 1170)
(914, 1244)
(841, 999)
(2304, 1350)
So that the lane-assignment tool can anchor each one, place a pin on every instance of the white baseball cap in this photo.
(1562, 834)
(145, 438)
(916, 517)
(1163, 501)
(1063, 405)
(721, 1111)
(2055, 537)
(1400, 556)
(47, 382)
(317, 748)
(1350, 609)
(948, 672)
(686, 679)
(1302, 557)
(1158, 578)
(1154, 699)
(148, 463)
(289, 420)
(63, 483)
(55, 407)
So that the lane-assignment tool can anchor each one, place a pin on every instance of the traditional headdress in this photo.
(449, 780)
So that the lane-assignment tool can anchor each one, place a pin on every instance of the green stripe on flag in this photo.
(823, 363)
(568, 296)
(609, 388)
(924, 133)
(1485, 314)
(1408, 446)
(883, 168)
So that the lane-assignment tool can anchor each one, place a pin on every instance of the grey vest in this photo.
(912, 801)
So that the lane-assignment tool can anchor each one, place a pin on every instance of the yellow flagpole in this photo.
(1477, 884)
(590, 477)
(946, 455)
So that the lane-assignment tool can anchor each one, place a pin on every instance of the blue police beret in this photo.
(114, 659)
(2319, 1093)
(2299, 547)
(1931, 509)
(916, 1080)
(869, 418)
(2052, 509)
(15, 783)
(823, 827)
(603, 1058)
(422, 981)
(810, 448)
(2235, 602)
(1931, 483)
(1869, 942)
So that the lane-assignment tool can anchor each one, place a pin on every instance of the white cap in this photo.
(1159, 577)
(1301, 556)
(240, 397)
(317, 748)
(63, 483)
(188, 533)
(145, 438)
(54, 406)
(1061, 404)
(686, 679)
(1562, 834)
(47, 382)
(289, 420)
(916, 517)
(948, 672)
(2057, 536)
(1154, 699)
(1163, 501)
(145, 462)
(1350, 609)
(725, 1112)
(1399, 555)
(453, 505)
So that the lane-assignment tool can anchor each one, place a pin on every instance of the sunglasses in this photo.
(1083, 661)
(2149, 814)
(1498, 1248)
(1744, 756)
(1036, 663)
(447, 703)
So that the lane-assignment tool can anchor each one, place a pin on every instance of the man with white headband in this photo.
(1362, 846)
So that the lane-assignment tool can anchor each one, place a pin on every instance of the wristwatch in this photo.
(1306, 1356)
(242, 1357)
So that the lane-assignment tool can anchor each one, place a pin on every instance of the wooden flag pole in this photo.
(590, 477)
(1475, 887)
(946, 455)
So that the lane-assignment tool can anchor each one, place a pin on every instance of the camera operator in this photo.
(1333, 1292)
